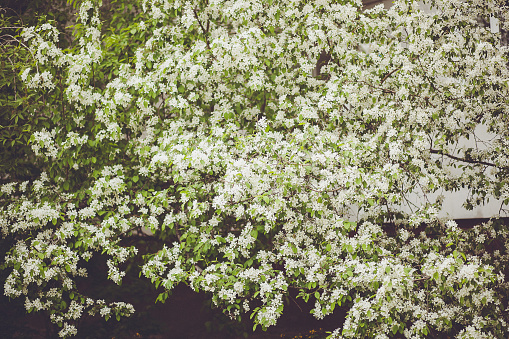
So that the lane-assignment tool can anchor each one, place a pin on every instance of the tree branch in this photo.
(205, 31)
(389, 74)
(471, 161)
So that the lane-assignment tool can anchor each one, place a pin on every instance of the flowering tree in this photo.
(268, 146)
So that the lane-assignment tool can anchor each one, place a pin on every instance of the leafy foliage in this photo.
(266, 146)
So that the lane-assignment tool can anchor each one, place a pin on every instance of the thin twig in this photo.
(296, 303)
(205, 31)
(424, 277)
(480, 162)
(389, 74)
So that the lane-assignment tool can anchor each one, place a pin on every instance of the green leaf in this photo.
(294, 248)
(349, 248)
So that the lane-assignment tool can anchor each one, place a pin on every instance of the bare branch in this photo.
(389, 74)
(471, 161)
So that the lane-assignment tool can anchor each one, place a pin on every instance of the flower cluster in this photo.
(269, 146)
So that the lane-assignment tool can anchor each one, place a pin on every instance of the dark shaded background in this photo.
(185, 314)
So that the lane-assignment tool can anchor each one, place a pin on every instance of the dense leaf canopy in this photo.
(264, 146)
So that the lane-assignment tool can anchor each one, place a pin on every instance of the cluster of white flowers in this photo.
(67, 330)
(44, 140)
(276, 144)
